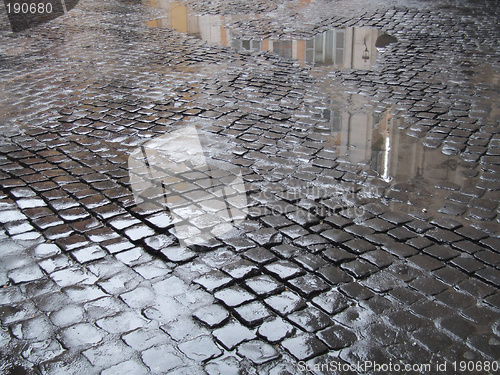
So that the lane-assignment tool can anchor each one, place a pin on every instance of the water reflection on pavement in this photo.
(342, 48)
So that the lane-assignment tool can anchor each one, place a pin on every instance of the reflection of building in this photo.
(408, 158)
(351, 47)
(209, 28)
(363, 136)
(351, 128)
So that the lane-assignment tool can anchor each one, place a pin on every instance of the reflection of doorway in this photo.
(333, 117)
(179, 17)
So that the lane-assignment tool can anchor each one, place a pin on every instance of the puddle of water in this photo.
(379, 142)
(488, 77)
(341, 48)
(354, 131)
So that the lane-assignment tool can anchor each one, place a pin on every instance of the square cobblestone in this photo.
(304, 347)
(308, 285)
(233, 334)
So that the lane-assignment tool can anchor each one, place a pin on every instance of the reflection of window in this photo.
(310, 50)
(255, 45)
(318, 48)
(283, 48)
(326, 48)
(339, 47)
(235, 40)
(247, 45)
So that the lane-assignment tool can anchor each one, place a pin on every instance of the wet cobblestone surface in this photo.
(350, 251)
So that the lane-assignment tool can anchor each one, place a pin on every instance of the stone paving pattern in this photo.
(94, 284)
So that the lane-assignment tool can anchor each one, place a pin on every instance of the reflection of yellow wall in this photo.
(301, 50)
(224, 40)
(153, 23)
(179, 17)
(265, 45)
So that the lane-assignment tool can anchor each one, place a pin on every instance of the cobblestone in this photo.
(371, 184)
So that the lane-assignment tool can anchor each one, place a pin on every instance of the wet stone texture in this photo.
(367, 139)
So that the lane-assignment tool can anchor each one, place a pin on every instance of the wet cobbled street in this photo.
(251, 187)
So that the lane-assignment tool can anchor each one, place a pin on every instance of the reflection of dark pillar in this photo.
(70, 4)
(28, 13)
(348, 133)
